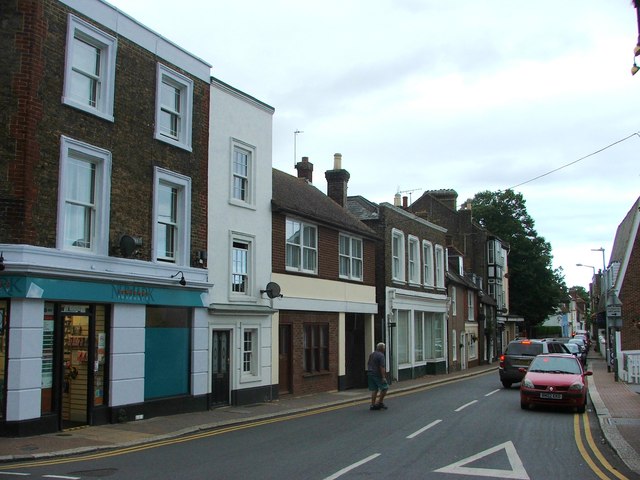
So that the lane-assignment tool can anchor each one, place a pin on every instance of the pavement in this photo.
(616, 404)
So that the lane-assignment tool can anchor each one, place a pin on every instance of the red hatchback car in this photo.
(555, 380)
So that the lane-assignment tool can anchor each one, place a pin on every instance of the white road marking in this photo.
(63, 477)
(517, 471)
(491, 393)
(465, 405)
(17, 474)
(352, 466)
(415, 434)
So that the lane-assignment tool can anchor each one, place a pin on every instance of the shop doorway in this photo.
(355, 355)
(220, 363)
(82, 380)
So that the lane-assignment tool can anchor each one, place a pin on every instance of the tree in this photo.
(535, 288)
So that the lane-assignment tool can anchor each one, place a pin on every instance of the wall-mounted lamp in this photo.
(182, 281)
(1, 261)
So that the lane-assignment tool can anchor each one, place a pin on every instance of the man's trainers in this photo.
(381, 406)
(374, 407)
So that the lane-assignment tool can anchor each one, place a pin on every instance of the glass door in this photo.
(83, 377)
(75, 361)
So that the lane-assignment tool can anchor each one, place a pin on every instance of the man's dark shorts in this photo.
(376, 383)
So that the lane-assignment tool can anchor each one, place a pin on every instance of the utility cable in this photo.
(576, 161)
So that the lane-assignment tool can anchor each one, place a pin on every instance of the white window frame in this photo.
(427, 262)
(107, 44)
(183, 239)
(472, 350)
(302, 248)
(419, 338)
(470, 306)
(250, 194)
(75, 149)
(454, 300)
(439, 266)
(350, 258)
(414, 260)
(397, 256)
(454, 343)
(249, 241)
(251, 356)
(404, 336)
(185, 85)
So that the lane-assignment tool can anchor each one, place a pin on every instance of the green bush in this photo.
(547, 332)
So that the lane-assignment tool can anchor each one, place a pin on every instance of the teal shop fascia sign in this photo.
(102, 292)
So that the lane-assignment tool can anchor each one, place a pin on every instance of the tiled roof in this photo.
(625, 234)
(296, 196)
(363, 208)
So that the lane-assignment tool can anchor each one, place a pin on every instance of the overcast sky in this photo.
(423, 95)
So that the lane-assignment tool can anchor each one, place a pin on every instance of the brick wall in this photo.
(630, 298)
(328, 253)
(392, 219)
(135, 152)
(302, 382)
(22, 68)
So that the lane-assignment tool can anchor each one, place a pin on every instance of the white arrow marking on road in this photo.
(517, 471)
(351, 467)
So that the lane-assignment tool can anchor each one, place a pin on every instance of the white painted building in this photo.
(239, 327)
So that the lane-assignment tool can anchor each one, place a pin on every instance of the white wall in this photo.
(234, 116)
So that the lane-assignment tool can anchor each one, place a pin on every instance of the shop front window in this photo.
(166, 352)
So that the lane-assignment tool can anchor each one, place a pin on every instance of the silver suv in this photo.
(519, 354)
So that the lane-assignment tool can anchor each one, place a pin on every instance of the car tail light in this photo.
(501, 361)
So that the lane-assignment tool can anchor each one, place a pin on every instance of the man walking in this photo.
(377, 377)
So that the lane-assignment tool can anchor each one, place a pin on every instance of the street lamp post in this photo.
(589, 266)
(593, 279)
(604, 290)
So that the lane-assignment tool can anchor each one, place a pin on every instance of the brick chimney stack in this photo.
(448, 197)
(305, 169)
(337, 180)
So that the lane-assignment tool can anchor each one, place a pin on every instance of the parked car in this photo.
(577, 352)
(581, 343)
(584, 338)
(586, 335)
(519, 354)
(555, 380)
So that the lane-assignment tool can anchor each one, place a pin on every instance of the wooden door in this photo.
(220, 362)
(285, 360)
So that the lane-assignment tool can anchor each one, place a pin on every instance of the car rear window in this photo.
(518, 348)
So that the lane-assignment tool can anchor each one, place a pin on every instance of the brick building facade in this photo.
(103, 217)
(324, 261)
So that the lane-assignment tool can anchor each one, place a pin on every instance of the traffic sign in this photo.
(614, 311)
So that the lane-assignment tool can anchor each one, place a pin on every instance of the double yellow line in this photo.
(592, 451)
(170, 441)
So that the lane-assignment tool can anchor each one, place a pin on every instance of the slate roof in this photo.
(624, 240)
(363, 208)
(293, 195)
(624, 234)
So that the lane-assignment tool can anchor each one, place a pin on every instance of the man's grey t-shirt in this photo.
(376, 360)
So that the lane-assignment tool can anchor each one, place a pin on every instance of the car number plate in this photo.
(552, 396)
